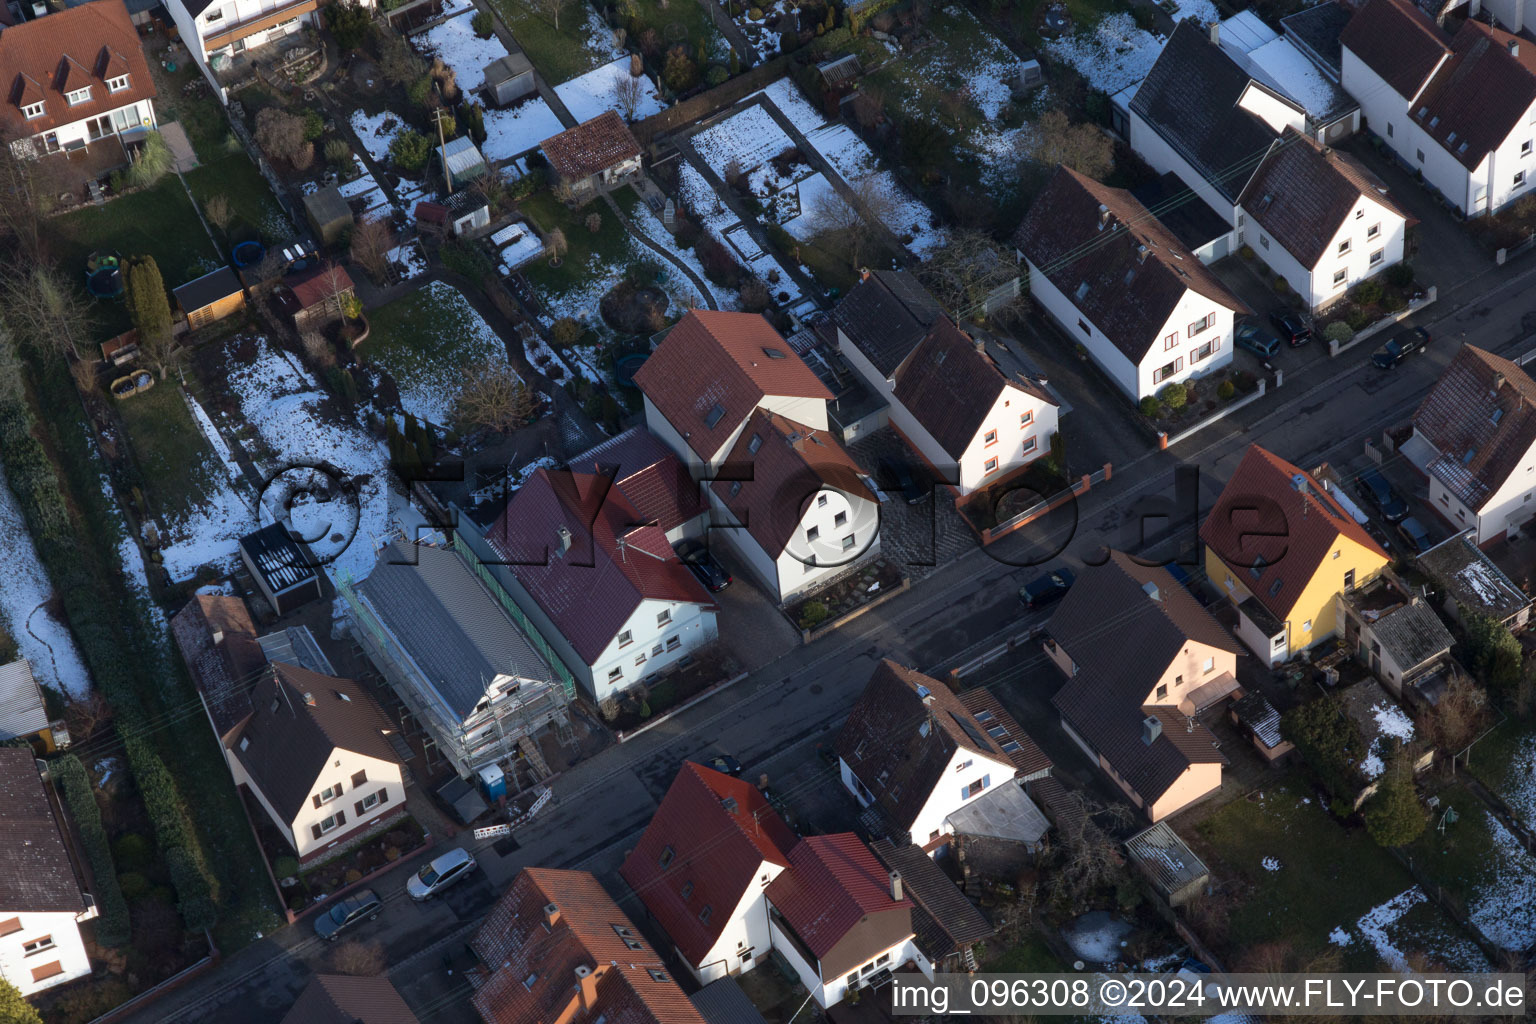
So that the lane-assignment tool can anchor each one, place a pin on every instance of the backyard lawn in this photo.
(1505, 762)
(174, 458)
(582, 43)
(678, 22)
(591, 257)
(256, 210)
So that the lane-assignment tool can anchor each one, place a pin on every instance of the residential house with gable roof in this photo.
(1283, 546)
(1459, 109)
(652, 479)
(595, 156)
(42, 901)
(1474, 436)
(1124, 287)
(557, 948)
(345, 999)
(840, 918)
(946, 925)
(702, 867)
(973, 423)
(314, 752)
(748, 416)
(73, 79)
(1143, 661)
(918, 753)
(598, 582)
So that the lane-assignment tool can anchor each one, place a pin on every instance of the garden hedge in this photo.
(112, 919)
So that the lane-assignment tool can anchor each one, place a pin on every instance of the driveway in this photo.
(919, 537)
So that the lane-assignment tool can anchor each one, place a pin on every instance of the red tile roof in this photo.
(649, 475)
(591, 147)
(1272, 511)
(319, 283)
(613, 563)
(1481, 94)
(68, 50)
(1398, 41)
(532, 967)
(1481, 417)
(729, 360)
(833, 883)
(768, 490)
(717, 854)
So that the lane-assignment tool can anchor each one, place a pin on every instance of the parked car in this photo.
(1292, 328)
(1375, 489)
(704, 567)
(1255, 336)
(442, 872)
(1414, 535)
(723, 763)
(1401, 345)
(899, 475)
(347, 914)
(1044, 590)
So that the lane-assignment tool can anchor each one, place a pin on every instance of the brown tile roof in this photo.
(1263, 513)
(70, 49)
(944, 920)
(223, 669)
(899, 743)
(291, 741)
(986, 709)
(950, 385)
(768, 490)
(833, 885)
(1129, 294)
(647, 473)
(1397, 41)
(35, 876)
(591, 147)
(1481, 416)
(1108, 614)
(532, 968)
(1480, 95)
(613, 564)
(713, 368)
(319, 283)
(343, 999)
(719, 830)
(1303, 192)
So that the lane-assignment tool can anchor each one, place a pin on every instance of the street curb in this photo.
(625, 737)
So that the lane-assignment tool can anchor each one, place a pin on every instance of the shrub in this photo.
(419, 92)
(410, 150)
(132, 852)
(1368, 292)
(1150, 407)
(1339, 331)
(1281, 286)
(1357, 318)
(112, 928)
(285, 867)
(353, 876)
(566, 331)
(337, 151)
(755, 13)
(483, 24)
(314, 125)
(153, 160)
(687, 232)
(1225, 390)
(349, 23)
(392, 853)
(361, 959)
(467, 260)
(813, 614)
(1174, 395)
(594, 222)
(680, 72)
(716, 75)
(1399, 275)
(474, 123)
(1393, 301)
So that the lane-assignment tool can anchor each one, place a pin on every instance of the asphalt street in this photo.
(772, 720)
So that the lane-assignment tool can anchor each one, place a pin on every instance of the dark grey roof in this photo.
(1258, 714)
(1315, 31)
(1472, 578)
(886, 315)
(193, 7)
(1190, 99)
(206, 290)
(1261, 617)
(504, 69)
(1165, 858)
(1412, 634)
(21, 701)
(278, 557)
(340, 999)
(723, 1002)
(1189, 217)
(450, 626)
(35, 875)
(926, 884)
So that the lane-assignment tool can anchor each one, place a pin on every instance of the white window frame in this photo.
(33, 111)
(1340, 278)
(329, 824)
(370, 801)
(1377, 257)
(117, 84)
(76, 97)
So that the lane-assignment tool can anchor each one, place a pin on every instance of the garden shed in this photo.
(509, 79)
(1175, 872)
(461, 162)
(211, 297)
(328, 214)
(468, 212)
(284, 570)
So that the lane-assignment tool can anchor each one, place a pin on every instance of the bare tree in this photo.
(281, 134)
(555, 245)
(372, 241)
(219, 212)
(628, 95)
(494, 397)
(1087, 860)
(318, 349)
(31, 188)
(965, 269)
(46, 312)
(1082, 147)
(852, 226)
(83, 714)
(338, 289)
(1461, 714)
(549, 10)
(361, 959)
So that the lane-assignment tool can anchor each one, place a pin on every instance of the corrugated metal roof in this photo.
(461, 157)
(278, 558)
(21, 702)
(1165, 858)
(1006, 812)
(723, 1002)
(296, 646)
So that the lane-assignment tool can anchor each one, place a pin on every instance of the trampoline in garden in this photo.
(248, 254)
(625, 368)
(104, 275)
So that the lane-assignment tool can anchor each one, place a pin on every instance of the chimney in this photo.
(981, 346)
(565, 539)
(1514, 47)
(218, 634)
(1103, 216)
(895, 885)
(551, 914)
(1215, 33)
(309, 699)
(925, 695)
(1498, 381)
(1141, 254)
(586, 984)
(1151, 729)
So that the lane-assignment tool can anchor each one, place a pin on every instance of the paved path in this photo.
(706, 295)
(175, 137)
(732, 32)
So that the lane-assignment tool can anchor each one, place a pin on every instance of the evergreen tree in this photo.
(14, 1009)
(1393, 815)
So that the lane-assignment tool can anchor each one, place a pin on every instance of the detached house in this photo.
(1124, 287)
(557, 948)
(42, 903)
(314, 752)
(75, 78)
(1143, 660)
(920, 753)
(1459, 109)
(594, 156)
(702, 868)
(747, 415)
(1474, 436)
(652, 480)
(968, 419)
(600, 584)
(1284, 546)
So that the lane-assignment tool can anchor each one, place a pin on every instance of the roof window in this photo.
(773, 353)
(715, 415)
(667, 853)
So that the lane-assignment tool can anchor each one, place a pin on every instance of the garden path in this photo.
(660, 250)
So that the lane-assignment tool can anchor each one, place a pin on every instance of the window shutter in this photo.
(358, 807)
(341, 818)
(986, 780)
(316, 799)
(314, 830)
(359, 779)
(383, 796)
(338, 789)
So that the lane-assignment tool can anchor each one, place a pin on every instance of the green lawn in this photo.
(588, 256)
(202, 116)
(175, 460)
(685, 23)
(425, 341)
(1505, 762)
(256, 210)
(1032, 956)
(559, 54)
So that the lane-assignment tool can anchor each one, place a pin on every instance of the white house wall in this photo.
(1510, 14)
(140, 114)
(812, 412)
(1190, 308)
(341, 767)
(68, 950)
(804, 564)
(1277, 113)
(1110, 359)
(1004, 418)
(1510, 506)
(947, 797)
(692, 624)
(746, 930)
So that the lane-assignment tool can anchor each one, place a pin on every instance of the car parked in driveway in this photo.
(443, 871)
(704, 567)
(1047, 589)
(1414, 535)
(348, 914)
(1401, 345)
(1294, 329)
(898, 474)
(1375, 489)
(1254, 335)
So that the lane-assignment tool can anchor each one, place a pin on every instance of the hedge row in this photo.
(173, 834)
(112, 919)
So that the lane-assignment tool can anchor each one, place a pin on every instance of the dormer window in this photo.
(32, 111)
(117, 84)
(75, 97)
(217, 14)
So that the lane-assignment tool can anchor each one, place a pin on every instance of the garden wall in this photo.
(1334, 348)
(710, 101)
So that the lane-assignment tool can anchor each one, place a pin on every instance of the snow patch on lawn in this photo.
(1271, 864)
(1391, 722)
(375, 131)
(649, 223)
(429, 383)
(1116, 54)
(1340, 937)
(458, 46)
(1518, 787)
(1504, 908)
(594, 92)
(200, 417)
(1374, 924)
(516, 130)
